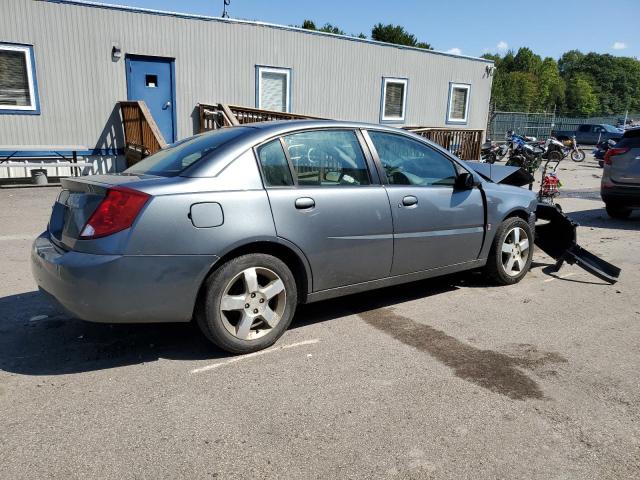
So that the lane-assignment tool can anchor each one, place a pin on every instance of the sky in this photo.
(469, 27)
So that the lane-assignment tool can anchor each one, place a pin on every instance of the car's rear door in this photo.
(435, 224)
(625, 167)
(332, 207)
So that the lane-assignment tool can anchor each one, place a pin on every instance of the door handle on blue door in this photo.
(409, 201)
(305, 202)
(167, 105)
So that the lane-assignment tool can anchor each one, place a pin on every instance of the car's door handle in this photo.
(305, 202)
(409, 201)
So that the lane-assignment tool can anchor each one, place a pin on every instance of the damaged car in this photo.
(236, 227)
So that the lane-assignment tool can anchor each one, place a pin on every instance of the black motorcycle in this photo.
(601, 149)
(489, 151)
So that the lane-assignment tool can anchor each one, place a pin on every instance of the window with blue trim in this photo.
(274, 89)
(394, 99)
(458, 109)
(18, 92)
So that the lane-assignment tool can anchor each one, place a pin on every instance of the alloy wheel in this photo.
(515, 251)
(253, 303)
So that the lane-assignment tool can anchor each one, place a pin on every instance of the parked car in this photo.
(620, 187)
(590, 134)
(237, 226)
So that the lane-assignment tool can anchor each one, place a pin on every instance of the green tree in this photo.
(328, 28)
(580, 98)
(551, 86)
(396, 34)
(526, 61)
(309, 25)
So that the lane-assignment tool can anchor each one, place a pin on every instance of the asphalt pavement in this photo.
(446, 378)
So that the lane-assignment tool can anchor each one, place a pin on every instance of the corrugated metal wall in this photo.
(215, 61)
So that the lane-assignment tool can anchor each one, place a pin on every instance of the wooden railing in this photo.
(465, 144)
(221, 115)
(142, 136)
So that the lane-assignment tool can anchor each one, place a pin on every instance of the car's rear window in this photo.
(177, 157)
(631, 139)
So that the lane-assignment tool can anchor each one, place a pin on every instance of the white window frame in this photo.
(461, 86)
(383, 100)
(260, 69)
(30, 78)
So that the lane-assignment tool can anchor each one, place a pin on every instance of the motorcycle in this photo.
(601, 150)
(525, 155)
(571, 147)
(489, 151)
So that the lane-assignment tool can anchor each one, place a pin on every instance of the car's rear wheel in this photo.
(511, 252)
(248, 303)
(616, 211)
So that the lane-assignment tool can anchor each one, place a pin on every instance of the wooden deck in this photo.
(464, 143)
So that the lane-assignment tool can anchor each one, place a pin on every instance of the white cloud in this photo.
(619, 45)
(455, 51)
(502, 46)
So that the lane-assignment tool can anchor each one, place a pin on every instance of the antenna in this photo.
(225, 14)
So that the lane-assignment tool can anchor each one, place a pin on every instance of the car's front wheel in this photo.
(248, 303)
(511, 252)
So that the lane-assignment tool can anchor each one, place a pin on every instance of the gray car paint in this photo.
(153, 270)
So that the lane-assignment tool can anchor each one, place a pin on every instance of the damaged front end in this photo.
(557, 238)
(555, 233)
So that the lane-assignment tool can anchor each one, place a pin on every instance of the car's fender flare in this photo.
(271, 245)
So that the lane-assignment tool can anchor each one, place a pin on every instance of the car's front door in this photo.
(435, 224)
(333, 208)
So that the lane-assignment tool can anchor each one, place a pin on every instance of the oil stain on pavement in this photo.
(497, 372)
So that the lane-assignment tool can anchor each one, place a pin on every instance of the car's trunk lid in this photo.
(625, 167)
(79, 198)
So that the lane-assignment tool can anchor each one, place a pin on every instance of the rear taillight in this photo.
(115, 213)
(612, 152)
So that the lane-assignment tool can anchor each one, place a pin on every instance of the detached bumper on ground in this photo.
(119, 288)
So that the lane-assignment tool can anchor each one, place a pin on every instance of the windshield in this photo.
(175, 158)
(611, 128)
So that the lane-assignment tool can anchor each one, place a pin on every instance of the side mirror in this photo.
(465, 181)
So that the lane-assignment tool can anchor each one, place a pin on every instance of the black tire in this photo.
(494, 268)
(210, 318)
(578, 155)
(555, 156)
(618, 212)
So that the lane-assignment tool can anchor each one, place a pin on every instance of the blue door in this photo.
(152, 79)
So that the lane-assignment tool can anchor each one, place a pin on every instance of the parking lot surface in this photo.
(446, 378)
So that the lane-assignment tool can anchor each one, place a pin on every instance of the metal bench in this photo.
(68, 154)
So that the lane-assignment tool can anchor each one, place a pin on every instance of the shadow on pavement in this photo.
(36, 339)
(598, 218)
(33, 344)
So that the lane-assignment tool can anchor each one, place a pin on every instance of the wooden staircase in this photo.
(142, 136)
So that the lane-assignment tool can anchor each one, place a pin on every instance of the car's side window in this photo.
(584, 128)
(327, 158)
(409, 162)
(275, 167)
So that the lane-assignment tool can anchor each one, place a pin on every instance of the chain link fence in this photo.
(540, 125)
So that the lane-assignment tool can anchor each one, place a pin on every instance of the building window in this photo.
(18, 90)
(458, 109)
(273, 89)
(394, 99)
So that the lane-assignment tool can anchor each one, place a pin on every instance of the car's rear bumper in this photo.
(621, 195)
(120, 288)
